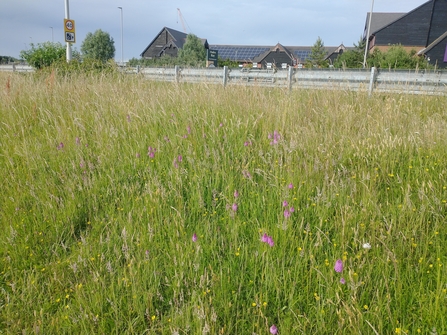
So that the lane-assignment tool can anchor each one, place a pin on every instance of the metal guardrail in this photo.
(16, 68)
(398, 81)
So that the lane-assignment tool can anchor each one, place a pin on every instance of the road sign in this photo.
(69, 30)
(70, 37)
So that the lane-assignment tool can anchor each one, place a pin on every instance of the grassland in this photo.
(135, 207)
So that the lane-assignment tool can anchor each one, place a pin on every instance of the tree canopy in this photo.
(193, 52)
(99, 46)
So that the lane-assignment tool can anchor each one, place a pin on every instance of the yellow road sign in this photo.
(69, 30)
(69, 26)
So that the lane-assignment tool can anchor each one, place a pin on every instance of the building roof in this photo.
(433, 44)
(178, 38)
(380, 20)
(255, 53)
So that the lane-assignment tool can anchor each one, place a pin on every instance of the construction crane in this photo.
(182, 20)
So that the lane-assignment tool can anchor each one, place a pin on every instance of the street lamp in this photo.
(52, 35)
(367, 34)
(122, 48)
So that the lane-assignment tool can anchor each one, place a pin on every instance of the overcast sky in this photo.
(260, 22)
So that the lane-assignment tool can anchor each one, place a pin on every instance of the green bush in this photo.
(43, 54)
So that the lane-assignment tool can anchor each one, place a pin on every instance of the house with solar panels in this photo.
(168, 41)
(423, 29)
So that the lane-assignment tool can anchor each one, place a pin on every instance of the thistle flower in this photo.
(338, 266)
(287, 214)
(194, 237)
(234, 207)
(290, 186)
(285, 203)
(236, 194)
(264, 238)
(273, 330)
(342, 280)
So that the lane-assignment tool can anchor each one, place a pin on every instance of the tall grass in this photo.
(134, 207)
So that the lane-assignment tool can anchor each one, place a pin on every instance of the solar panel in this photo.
(238, 53)
(302, 54)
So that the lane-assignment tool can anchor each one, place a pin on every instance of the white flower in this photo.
(366, 246)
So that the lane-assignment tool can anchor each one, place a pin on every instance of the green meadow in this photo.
(136, 207)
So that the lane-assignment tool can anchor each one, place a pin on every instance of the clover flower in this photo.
(273, 330)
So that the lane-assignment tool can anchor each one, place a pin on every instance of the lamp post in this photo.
(67, 16)
(52, 35)
(122, 48)
(367, 34)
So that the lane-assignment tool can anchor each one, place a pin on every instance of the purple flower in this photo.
(292, 209)
(342, 280)
(275, 137)
(273, 330)
(234, 207)
(194, 237)
(290, 186)
(338, 266)
(128, 118)
(267, 239)
(180, 158)
(285, 203)
(188, 129)
(151, 152)
(236, 194)
(78, 141)
(60, 146)
(247, 143)
(287, 214)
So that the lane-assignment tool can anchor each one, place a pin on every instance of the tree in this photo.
(99, 46)
(7, 59)
(193, 52)
(318, 54)
(44, 54)
(352, 58)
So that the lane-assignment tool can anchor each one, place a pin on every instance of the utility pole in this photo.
(67, 16)
(122, 43)
(367, 34)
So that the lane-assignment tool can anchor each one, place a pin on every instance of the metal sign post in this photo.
(67, 18)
